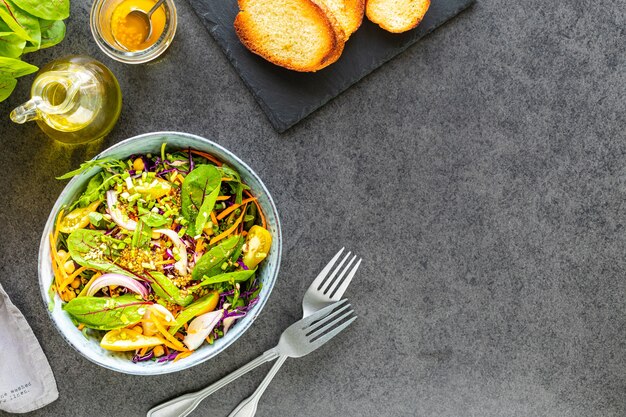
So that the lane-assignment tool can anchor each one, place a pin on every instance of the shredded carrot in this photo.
(56, 227)
(207, 156)
(233, 208)
(175, 342)
(199, 245)
(167, 351)
(229, 231)
(81, 326)
(186, 326)
(226, 179)
(223, 197)
(213, 218)
(143, 351)
(71, 278)
(182, 355)
(258, 207)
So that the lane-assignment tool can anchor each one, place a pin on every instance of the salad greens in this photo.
(27, 26)
(154, 243)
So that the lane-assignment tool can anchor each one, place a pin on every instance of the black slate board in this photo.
(289, 96)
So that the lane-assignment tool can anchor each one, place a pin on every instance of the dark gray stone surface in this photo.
(481, 174)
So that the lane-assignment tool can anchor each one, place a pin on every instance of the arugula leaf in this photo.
(211, 262)
(23, 24)
(49, 10)
(107, 164)
(231, 277)
(14, 68)
(166, 289)
(198, 195)
(7, 85)
(93, 249)
(104, 313)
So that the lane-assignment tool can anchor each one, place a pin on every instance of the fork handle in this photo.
(247, 408)
(185, 404)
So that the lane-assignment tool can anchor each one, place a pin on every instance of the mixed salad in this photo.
(158, 255)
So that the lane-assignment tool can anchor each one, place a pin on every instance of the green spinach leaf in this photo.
(14, 68)
(211, 262)
(166, 289)
(141, 235)
(198, 195)
(7, 85)
(52, 33)
(192, 310)
(49, 9)
(153, 219)
(231, 277)
(93, 249)
(104, 313)
(22, 23)
(11, 46)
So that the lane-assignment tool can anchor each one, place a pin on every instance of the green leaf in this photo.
(192, 310)
(14, 68)
(231, 277)
(7, 85)
(104, 313)
(198, 196)
(165, 288)
(155, 220)
(12, 46)
(48, 9)
(236, 186)
(52, 32)
(93, 249)
(211, 262)
(141, 235)
(107, 164)
(23, 24)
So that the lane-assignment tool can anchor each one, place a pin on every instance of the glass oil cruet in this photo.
(74, 100)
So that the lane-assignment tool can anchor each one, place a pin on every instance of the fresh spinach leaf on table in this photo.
(22, 23)
(14, 68)
(49, 10)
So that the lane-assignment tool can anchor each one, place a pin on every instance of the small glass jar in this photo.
(101, 28)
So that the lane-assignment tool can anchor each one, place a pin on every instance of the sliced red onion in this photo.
(119, 280)
(201, 327)
(181, 265)
(230, 320)
(116, 214)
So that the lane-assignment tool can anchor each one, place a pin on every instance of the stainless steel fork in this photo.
(325, 289)
(301, 338)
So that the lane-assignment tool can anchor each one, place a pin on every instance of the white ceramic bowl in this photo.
(151, 143)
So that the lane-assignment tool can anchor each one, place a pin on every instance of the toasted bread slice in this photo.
(349, 13)
(295, 34)
(339, 32)
(396, 15)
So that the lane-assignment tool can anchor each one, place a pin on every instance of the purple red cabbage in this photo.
(143, 358)
(169, 357)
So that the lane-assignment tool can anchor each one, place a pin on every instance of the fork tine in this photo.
(322, 322)
(337, 281)
(328, 326)
(320, 277)
(344, 286)
(320, 314)
(325, 338)
(330, 279)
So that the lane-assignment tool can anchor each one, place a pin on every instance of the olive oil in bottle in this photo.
(73, 100)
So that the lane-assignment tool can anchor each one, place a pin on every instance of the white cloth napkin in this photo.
(26, 380)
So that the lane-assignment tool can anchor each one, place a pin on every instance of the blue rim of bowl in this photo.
(161, 370)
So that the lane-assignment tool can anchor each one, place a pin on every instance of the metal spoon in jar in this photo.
(146, 16)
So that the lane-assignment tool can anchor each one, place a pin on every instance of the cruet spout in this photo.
(27, 112)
